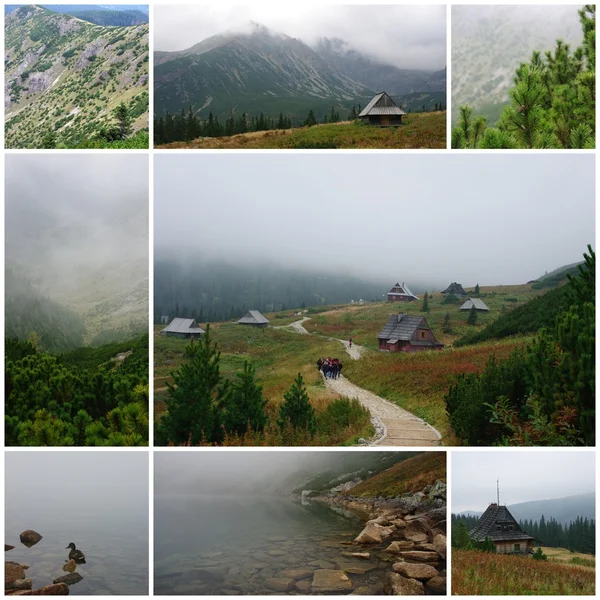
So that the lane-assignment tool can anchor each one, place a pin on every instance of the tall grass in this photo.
(485, 574)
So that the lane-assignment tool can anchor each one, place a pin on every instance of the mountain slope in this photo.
(66, 75)
(377, 75)
(251, 72)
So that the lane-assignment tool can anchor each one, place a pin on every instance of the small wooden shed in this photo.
(254, 318)
(183, 328)
(382, 111)
(454, 289)
(498, 525)
(407, 333)
(478, 303)
(401, 293)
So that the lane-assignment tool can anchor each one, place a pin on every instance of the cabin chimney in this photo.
(400, 317)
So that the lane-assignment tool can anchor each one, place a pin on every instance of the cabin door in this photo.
(385, 119)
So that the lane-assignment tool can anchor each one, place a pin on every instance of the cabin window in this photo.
(510, 527)
(517, 547)
(498, 527)
(423, 334)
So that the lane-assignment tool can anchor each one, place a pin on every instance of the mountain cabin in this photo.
(454, 289)
(254, 319)
(382, 111)
(407, 333)
(497, 524)
(183, 328)
(401, 293)
(478, 303)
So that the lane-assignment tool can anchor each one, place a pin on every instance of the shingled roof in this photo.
(474, 302)
(455, 289)
(381, 104)
(253, 317)
(496, 523)
(405, 291)
(188, 326)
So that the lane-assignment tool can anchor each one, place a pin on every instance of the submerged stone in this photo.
(327, 580)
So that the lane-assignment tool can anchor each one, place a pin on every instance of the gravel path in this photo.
(394, 426)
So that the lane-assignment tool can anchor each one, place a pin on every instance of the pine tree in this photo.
(49, 140)
(477, 291)
(447, 326)
(244, 406)
(121, 114)
(195, 396)
(472, 319)
(311, 119)
(296, 409)
(425, 306)
(462, 538)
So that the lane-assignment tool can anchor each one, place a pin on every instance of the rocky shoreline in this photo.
(407, 532)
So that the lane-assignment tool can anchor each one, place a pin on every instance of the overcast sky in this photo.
(424, 219)
(405, 36)
(524, 475)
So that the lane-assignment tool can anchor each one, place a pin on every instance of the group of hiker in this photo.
(330, 367)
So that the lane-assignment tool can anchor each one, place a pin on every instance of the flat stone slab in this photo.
(415, 571)
(327, 580)
(420, 556)
(280, 584)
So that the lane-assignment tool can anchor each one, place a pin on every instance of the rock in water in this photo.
(57, 589)
(396, 585)
(30, 537)
(69, 579)
(327, 580)
(373, 534)
(21, 584)
(280, 584)
(12, 572)
(70, 566)
(415, 571)
(400, 546)
(420, 556)
(8, 547)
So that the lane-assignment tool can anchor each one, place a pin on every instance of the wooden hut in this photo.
(407, 333)
(183, 328)
(478, 303)
(401, 293)
(382, 111)
(254, 319)
(498, 525)
(454, 289)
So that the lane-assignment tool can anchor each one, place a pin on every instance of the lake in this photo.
(253, 545)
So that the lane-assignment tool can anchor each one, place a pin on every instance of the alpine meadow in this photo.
(76, 300)
(549, 52)
(319, 317)
(292, 77)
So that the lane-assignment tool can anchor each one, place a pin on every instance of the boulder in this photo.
(400, 546)
(327, 580)
(396, 585)
(21, 584)
(69, 579)
(371, 534)
(426, 547)
(70, 566)
(30, 537)
(12, 572)
(280, 584)
(379, 521)
(399, 523)
(57, 589)
(420, 556)
(436, 586)
(8, 547)
(417, 537)
(440, 545)
(415, 570)
(303, 586)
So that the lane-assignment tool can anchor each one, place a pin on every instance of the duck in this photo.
(76, 555)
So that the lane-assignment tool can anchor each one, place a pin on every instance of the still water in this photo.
(230, 545)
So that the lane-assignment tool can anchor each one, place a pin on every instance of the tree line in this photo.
(82, 398)
(552, 102)
(206, 408)
(579, 535)
(544, 392)
(210, 292)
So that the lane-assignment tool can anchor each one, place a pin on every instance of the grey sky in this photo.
(77, 483)
(405, 36)
(524, 475)
(70, 216)
(426, 219)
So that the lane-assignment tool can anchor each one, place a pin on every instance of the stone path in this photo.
(394, 426)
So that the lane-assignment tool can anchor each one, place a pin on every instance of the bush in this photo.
(341, 414)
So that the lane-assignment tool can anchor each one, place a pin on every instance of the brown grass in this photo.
(481, 573)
